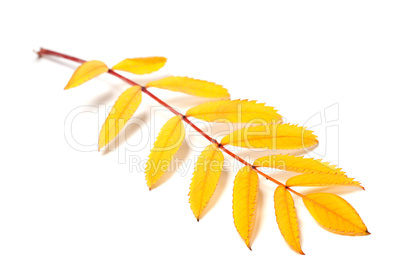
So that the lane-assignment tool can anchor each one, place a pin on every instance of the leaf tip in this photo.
(299, 251)
(100, 145)
(197, 216)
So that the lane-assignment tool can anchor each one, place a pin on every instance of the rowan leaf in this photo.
(297, 164)
(141, 65)
(245, 192)
(329, 210)
(235, 111)
(205, 178)
(322, 180)
(86, 72)
(335, 214)
(276, 136)
(286, 217)
(167, 143)
(122, 111)
(191, 86)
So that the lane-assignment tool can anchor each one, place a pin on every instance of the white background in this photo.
(63, 210)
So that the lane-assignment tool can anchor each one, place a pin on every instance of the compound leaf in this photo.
(205, 178)
(286, 217)
(277, 136)
(235, 111)
(122, 111)
(335, 214)
(191, 86)
(142, 65)
(168, 142)
(86, 72)
(245, 192)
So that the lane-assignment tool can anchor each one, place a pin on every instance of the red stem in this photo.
(43, 52)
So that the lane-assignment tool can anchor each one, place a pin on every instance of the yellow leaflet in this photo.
(168, 142)
(282, 136)
(142, 65)
(86, 72)
(335, 214)
(205, 178)
(286, 217)
(297, 164)
(191, 86)
(122, 111)
(322, 180)
(245, 192)
(235, 111)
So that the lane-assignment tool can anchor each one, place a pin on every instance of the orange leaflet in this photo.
(322, 180)
(335, 214)
(142, 65)
(86, 72)
(191, 86)
(166, 145)
(235, 111)
(245, 192)
(286, 217)
(121, 112)
(282, 136)
(205, 178)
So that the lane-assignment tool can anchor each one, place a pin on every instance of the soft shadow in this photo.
(220, 188)
(301, 225)
(59, 61)
(257, 153)
(145, 79)
(220, 130)
(280, 175)
(258, 218)
(175, 165)
(108, 96)
(186, 101)
(338, 190)
(131, 129)
(128, 131)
